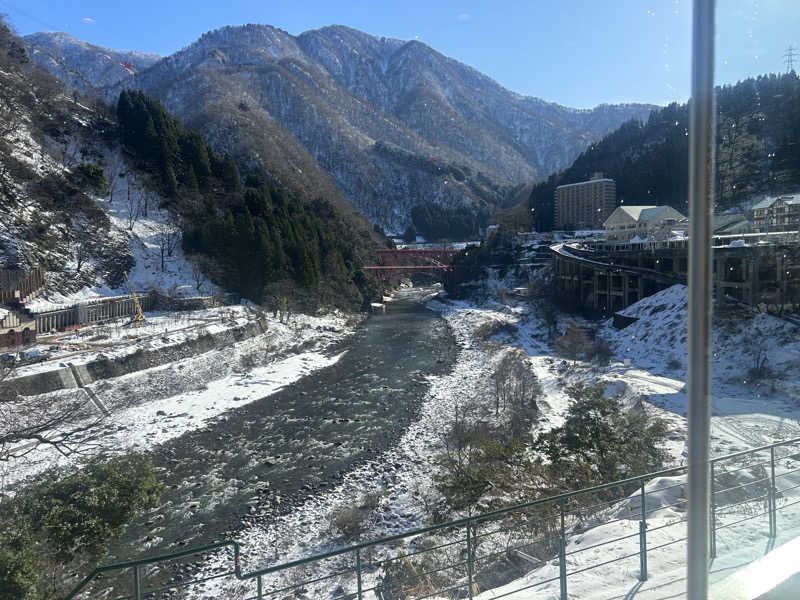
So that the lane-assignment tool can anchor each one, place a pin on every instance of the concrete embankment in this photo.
(67, 376)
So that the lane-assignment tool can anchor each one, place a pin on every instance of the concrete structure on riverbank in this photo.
(20, 325)
(93, 311)
(17, 325)
(605, 278)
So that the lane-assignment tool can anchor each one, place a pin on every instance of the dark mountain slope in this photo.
(758, 133)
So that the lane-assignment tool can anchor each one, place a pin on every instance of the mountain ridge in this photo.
(360, 105)
(82, 65)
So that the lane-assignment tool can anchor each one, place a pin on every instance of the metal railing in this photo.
(530, 545)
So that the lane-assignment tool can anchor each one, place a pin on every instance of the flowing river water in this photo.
(264, 458)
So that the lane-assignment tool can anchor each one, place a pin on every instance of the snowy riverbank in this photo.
(152, 406)
(642, 373)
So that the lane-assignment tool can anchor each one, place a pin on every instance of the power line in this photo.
(789, 57)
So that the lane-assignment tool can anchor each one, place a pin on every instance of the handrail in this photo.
(469, 521)
(159, 558)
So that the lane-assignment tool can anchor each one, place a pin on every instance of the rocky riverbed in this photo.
(258, 461)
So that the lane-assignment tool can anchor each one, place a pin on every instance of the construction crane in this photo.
(137, 320)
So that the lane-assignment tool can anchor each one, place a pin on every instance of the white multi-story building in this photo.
(640, 223)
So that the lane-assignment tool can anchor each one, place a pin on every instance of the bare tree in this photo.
(197, 276)
(575, 344)
(463, 440)
(68, 424)
(516, 385)
(68, 159)
(115, 171)
(80, 252)
(168, 236)
(132, 201)
(10, 113)
(147, 199)
(549, 315)
(758, 353)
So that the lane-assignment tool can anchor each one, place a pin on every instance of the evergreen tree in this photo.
(190, 181)
(230, 175)
(256, 234)
(195, 156)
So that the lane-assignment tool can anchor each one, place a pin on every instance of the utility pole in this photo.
(790, 55)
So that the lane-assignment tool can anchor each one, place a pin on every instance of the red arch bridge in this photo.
(412, 260)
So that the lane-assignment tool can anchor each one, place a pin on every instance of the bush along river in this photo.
(262, 459)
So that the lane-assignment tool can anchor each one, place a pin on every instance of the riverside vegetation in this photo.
(53, 525)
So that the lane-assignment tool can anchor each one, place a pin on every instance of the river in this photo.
(262, 459)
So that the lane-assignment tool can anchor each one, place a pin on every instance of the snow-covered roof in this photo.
(632, 211)
(765, 203)
(654, 213)
(770, 200)
(642, 213)
(735, 223)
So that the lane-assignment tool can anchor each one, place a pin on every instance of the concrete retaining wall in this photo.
(106, 368)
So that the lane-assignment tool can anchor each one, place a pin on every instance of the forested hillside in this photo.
(435, 222)
(75, 176)
(49, 149)
(758, 130)
(256, 238)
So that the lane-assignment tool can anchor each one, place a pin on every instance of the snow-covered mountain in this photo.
(54, 214)
(84, 66)
(393, 123)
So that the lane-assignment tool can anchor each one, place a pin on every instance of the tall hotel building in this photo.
(585, 205)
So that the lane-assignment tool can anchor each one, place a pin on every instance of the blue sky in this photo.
(576, 52)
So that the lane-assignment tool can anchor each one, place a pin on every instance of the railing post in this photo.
(358, 571)
(259, 588)
(773, 516)
(562, 557)
(469, 559)
(713, 528)
(643, 537)
(137, 583)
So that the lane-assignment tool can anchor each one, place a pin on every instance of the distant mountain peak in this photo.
(84, 66)
(394, 123)
(51, 39)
